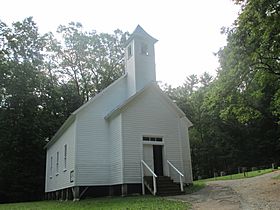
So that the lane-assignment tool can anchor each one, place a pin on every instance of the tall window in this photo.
(51, 167)
(144, 49)
(57, 162)
(65, 156)
(129, 51)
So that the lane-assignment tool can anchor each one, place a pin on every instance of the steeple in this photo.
(140, 32)
(140, 60)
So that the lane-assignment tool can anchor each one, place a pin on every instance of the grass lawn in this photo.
(240, 175)
(197, 185)
(124, 203)
(276, 177)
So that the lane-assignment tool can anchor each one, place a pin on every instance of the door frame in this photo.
(158, 161)
(165, 173)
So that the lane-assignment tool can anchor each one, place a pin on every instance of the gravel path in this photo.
(261, 192)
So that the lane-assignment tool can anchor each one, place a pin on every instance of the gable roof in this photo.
(122, 106)
(72, 117)
(61, 130)
(140, 32)
(100, 94)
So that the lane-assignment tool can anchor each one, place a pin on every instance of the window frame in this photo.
(72, 176)
(51, 167)
(129, 51)
(153, 141)
(152, 138)
(144, 49)
(57, 163)
(65, 157)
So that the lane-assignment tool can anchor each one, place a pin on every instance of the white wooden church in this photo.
(130, 138)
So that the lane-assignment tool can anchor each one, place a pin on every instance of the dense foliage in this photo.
(42, 81)
(236, 116)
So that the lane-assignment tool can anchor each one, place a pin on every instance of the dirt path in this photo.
(261, 192)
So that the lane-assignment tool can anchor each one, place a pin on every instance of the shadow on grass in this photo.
(133, 202)
(196, 186)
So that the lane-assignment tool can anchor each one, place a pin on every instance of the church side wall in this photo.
(186, 153)
(59, 179)
(93, 137)
(149, 115)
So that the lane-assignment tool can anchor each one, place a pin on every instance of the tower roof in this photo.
(141, 33)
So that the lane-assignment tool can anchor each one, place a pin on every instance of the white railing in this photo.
(143, 164)
(178, 172)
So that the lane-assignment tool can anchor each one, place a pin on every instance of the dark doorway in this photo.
(158, 165)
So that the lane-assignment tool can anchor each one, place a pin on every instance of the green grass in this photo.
(200, 184)
(276, 177)
(136, 202)
(240, 175)
(196, 186)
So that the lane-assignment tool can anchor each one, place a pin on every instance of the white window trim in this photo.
(57, 163)
(65, 157)
(72, 176)
(153, 142)
(129, 52)
(51, 167)
(144, 49)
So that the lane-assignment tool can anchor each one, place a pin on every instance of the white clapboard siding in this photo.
(186, 152)
(93, 143)
(116, 167)
(60, 180)
(149, 114)
(148, 155)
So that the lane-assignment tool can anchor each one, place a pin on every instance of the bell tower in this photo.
(139, 60)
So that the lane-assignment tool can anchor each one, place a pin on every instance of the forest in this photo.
(45, 77)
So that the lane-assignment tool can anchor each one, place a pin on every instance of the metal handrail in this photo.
(154, 177)
(181, 175)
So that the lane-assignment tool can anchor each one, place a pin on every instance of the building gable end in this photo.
(165, 98)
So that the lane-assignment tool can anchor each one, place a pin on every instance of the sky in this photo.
(188, 30)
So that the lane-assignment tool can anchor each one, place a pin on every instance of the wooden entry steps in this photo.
(165, 185)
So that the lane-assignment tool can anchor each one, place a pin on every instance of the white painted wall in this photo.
(60, 180)
(148, 115)
(93, 161)
(145, 71)
(186, 151)
(140, 67)
(130, 69)
(148, 156)
(116, 161)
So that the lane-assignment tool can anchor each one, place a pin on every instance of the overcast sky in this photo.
(188, 30)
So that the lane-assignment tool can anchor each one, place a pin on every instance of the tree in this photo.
(236, 115)
(91, 61)
(245, 92)
(42, 81)
(252, 55)
(22, 156)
